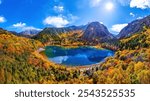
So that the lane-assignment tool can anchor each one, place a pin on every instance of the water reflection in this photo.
(77, 56)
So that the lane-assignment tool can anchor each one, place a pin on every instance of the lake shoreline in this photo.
(105, 54)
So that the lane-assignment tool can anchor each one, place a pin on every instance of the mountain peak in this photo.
(97, 32)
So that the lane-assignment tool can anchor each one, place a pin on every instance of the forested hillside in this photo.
(21, 62)
(64, 38)
(131, 64)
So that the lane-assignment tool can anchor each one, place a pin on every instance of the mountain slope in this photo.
(97, 32)
(134, 27)
(130, 64)
(21, 63)
(58, 36)
(47, 36)
(136, 41)
(62, 30)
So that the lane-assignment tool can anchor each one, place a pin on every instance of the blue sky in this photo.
(18, 15)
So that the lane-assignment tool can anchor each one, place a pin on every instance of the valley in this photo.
(20, 62)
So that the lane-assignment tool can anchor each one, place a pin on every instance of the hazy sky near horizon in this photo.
(18, 15)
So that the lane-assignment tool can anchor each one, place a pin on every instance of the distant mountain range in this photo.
(92, 32)
(98, 32)
(27, 33)
(30, 32)
(53, 30)
(53, 35)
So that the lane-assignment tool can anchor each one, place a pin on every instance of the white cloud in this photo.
(2, 19)
(143, 4)
(140, 17)
(94, 3)
(20, 24)
(101, 23)
(59, 8)
(118, 27)
(132, 14)
(57, 21)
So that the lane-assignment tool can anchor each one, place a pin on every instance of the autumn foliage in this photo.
(21, 62)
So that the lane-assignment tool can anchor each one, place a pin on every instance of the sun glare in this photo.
(109, 6)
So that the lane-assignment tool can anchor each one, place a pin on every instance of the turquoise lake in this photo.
(77, 56)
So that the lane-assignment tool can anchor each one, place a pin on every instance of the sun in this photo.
(109, 6)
